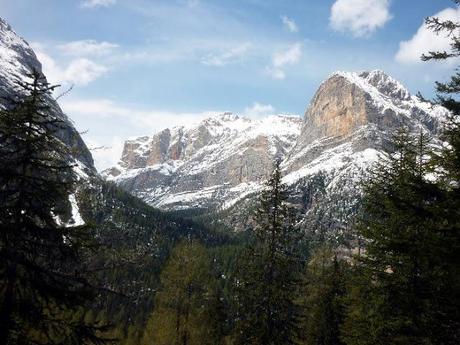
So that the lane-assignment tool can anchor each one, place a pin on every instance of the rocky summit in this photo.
(17, 61)
(224, 159)
(211, 164)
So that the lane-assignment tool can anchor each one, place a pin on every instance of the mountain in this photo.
(224, 160)
(207, 165)
(17, 60)
(361, 111)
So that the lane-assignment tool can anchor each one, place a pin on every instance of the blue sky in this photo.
(138, 66)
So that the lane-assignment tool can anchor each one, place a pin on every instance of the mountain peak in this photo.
(5, 26)
(362, 109)
(228, 116)
(376, 81)
(226, 157)
(17, 60)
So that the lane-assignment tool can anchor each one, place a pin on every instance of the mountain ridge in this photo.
(348, 123)
(213, 151)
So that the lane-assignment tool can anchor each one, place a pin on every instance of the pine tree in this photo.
(41, 286)
(394, 298)
(446, 91)
(448, 173)
(184, 306)
(270, 275)
(406, 287)
(323, 297)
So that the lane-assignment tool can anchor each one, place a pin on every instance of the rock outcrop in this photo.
(17, 61)
(206, 165)
(364, 110)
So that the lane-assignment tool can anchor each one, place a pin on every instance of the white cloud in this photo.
(288, 57)
(78, 71)
(129, 119)
(359, 17)
(87, 47)
(276, 73)
(258, 110)
(83, 71)
(107, 154)
(150, 120)
(280, 60)
(97, 3)
(425, 40)
(289, 24)
(232, 55)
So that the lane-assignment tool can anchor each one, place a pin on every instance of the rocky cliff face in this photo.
(348, 125)
(207, 165)
(223, 160)
(17, 60)
(362, 110)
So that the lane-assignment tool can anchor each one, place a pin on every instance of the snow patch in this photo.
(77, 219)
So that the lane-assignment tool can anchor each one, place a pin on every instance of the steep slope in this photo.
(207, 165)
(349, 123)
(17, 60)
(221, 163)
(94, 200)
(361, 111)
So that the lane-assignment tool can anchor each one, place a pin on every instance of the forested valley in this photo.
(131, 274)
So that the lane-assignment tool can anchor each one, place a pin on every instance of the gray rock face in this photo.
(17, 60)
(222, 162)
(363, 110)
(206, 165)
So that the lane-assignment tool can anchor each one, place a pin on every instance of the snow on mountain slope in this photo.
(16, 56)
(363, 110)
(17, 61)
(221, 161)
(205, 165)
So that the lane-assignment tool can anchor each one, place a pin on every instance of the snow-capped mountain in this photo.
(349, 123)
(356, 114)
(207, 165)
(223, 159)
(17, 61)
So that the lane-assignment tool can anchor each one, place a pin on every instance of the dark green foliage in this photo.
(185, 305)
(322, 298)
(269, 278)
(136, 240)
(447, 91)
(225, 263)
(398, 296)
(41, 279)
(406, 286)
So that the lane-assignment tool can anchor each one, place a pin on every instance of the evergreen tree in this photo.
(41, 286)
(406, 287)
(270, 275)
(395, 299)
(448, 173)
(184, 306)
(323, 298)
(446, 91)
